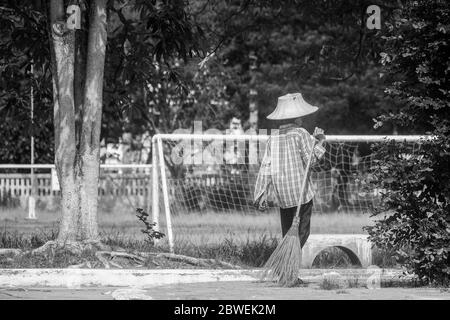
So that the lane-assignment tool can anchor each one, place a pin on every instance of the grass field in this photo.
(194, 228)
(213, 227)
(243, 239)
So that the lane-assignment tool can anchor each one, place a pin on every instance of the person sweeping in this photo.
(290, 152)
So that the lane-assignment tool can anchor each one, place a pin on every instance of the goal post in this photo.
(206, 182)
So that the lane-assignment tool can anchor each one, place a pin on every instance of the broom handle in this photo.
(305, 178)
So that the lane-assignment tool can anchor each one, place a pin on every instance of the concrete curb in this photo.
(116, 277)
(74, 278)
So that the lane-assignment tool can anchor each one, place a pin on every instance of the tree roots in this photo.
(74, 247)
(108, 258)
(96, 254)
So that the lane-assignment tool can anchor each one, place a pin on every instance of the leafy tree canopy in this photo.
(154, 82)
(144, 40)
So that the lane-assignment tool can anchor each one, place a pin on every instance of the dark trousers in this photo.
(287, 216)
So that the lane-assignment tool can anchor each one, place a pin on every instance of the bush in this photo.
(415, 224)
(416, 206)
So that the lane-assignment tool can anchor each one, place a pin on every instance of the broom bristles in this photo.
(284, 263)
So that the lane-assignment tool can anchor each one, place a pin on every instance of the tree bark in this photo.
(77, 118)
(92, 117)
(62, 56)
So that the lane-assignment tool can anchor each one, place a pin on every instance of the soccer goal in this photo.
(204, 184)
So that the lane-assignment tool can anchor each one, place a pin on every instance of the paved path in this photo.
(224, 290)
(55, 294)
(263, 291)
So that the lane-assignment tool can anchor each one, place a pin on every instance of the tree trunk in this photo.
(92, 117)
(77, 118)
(62, 55)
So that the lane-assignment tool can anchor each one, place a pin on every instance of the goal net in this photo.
(199, 189)
(204, 184)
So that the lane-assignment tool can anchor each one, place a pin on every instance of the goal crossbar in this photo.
(330, 138)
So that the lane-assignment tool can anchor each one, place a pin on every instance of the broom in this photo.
(284, 263)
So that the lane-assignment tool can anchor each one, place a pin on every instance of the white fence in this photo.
(131, 183)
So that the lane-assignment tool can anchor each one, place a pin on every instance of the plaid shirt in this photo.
(284, 164)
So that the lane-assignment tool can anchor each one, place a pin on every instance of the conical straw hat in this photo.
(290, 106)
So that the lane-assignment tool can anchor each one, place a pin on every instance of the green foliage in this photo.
(146, 40)
(23, 40)
(148, 43)
(154, 82)
(320, 48)
(416, 204)
(332, 258)
(150, 233)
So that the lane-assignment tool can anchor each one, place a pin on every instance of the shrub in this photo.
(416, 206)
(415, 223)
